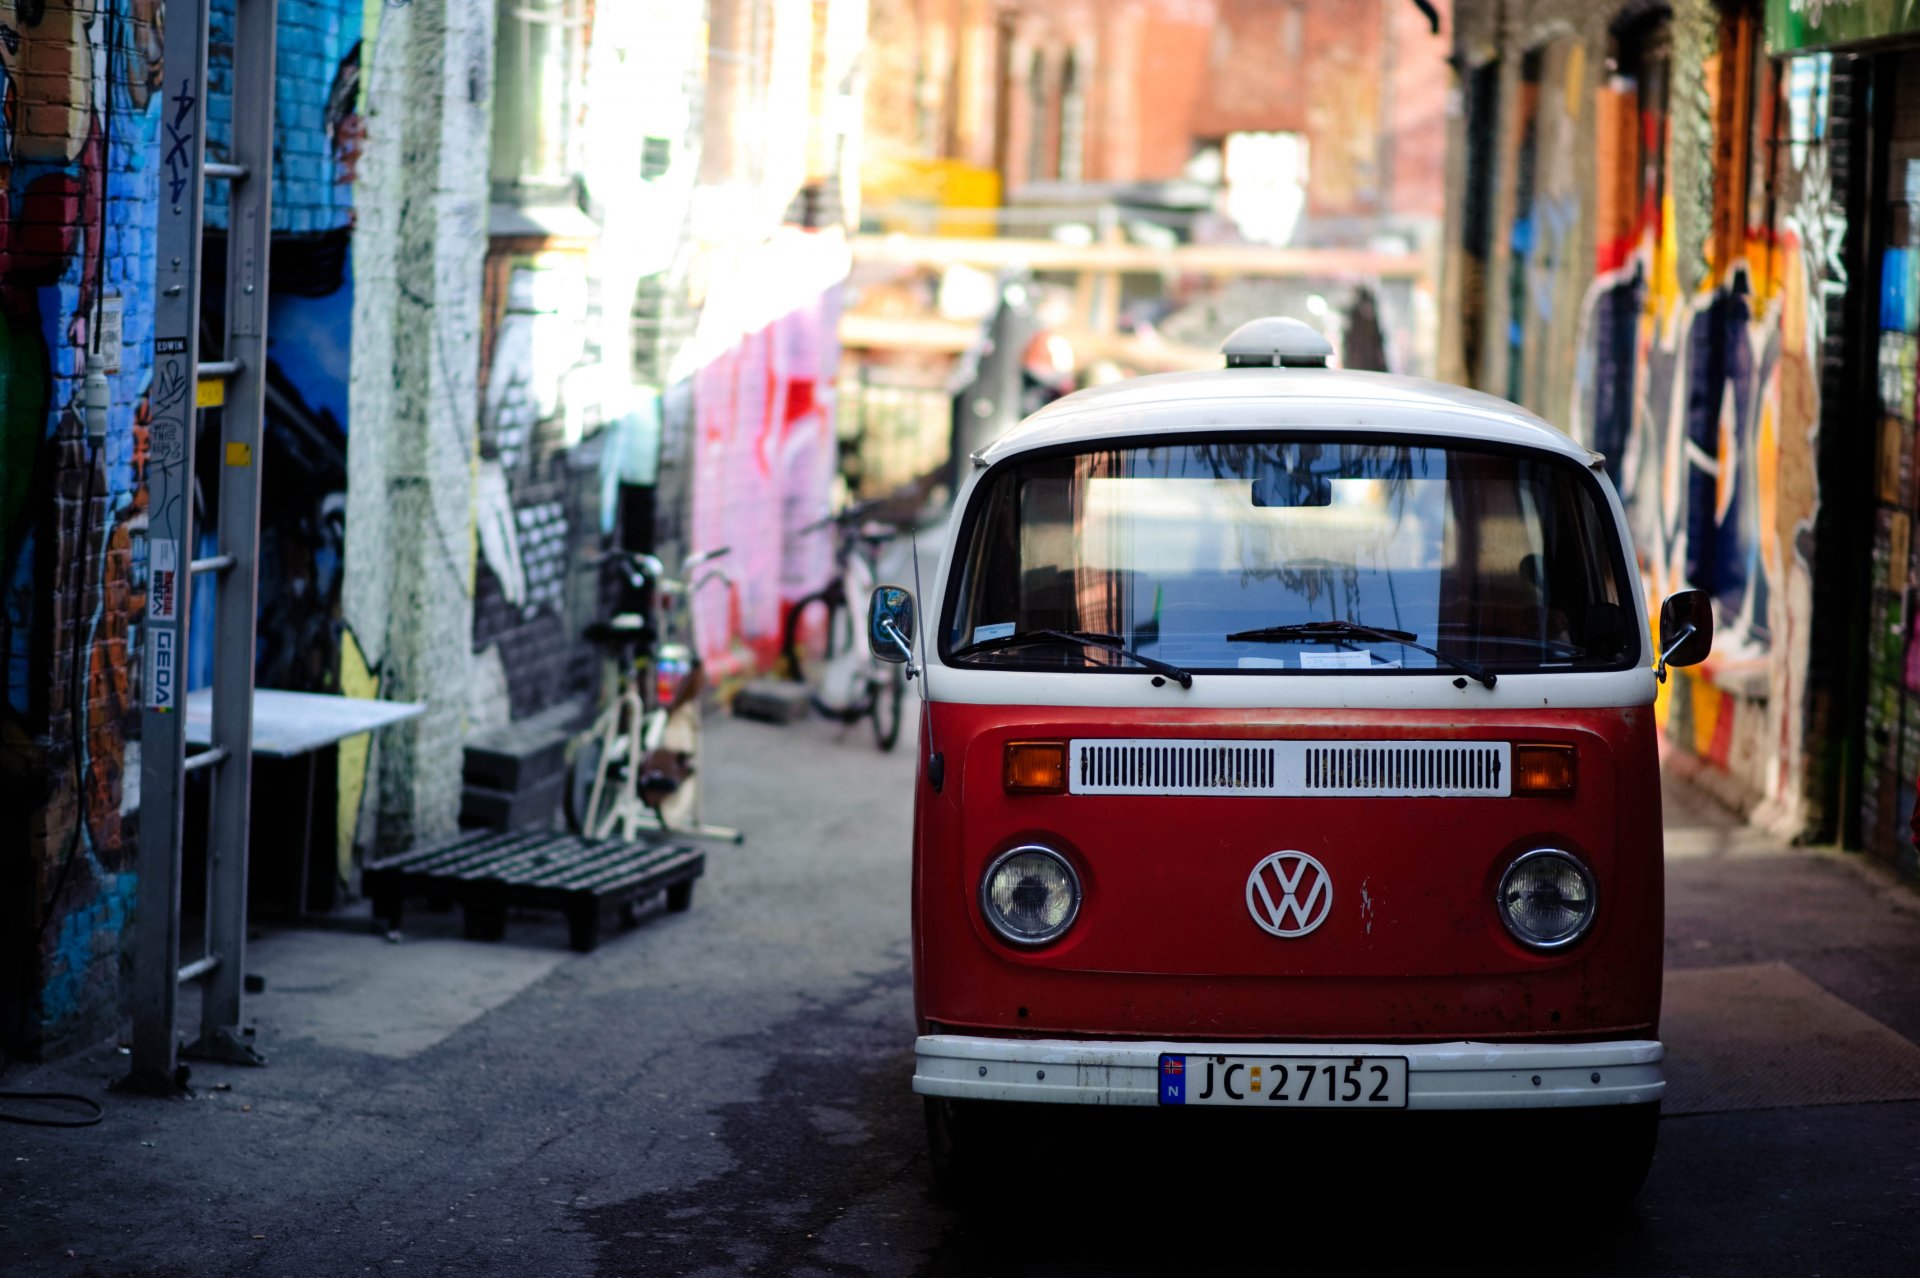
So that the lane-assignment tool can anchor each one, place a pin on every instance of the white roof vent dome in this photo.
(1276, 342)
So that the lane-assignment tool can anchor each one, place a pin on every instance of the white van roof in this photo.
(1267, 398)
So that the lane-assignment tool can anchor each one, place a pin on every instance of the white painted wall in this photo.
(418, 250)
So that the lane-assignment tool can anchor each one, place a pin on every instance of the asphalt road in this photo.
(726, 1092)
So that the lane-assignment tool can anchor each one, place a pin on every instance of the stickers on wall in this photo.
(112, 312)
(163, 579)
(162, 670)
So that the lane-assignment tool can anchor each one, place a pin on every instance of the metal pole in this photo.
(250, 220)
(169, 548)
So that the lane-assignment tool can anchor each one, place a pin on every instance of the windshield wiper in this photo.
(1333, 631)
(1087, 638)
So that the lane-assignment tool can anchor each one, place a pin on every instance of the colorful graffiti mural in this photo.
(79, 166)
(763, 405)
(77, 193)
(1697, 373)
(318, 131)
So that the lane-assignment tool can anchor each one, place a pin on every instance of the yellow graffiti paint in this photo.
(1665, 284)
(1708, 704)
(356, 680)
(1662, 692)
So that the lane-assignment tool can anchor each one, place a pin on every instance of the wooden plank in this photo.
(1136, 259)
(541, 860)
(449, 850)
(618, 880)
(640, 861)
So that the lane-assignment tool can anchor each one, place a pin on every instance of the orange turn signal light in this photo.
(1036, 767)
(1543, 769)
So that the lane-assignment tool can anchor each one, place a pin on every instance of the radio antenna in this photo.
(920, 617)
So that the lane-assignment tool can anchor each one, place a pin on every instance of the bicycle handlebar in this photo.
(852, 516)
(642, 567)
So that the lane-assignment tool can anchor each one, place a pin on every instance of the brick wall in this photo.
(1365, 82)
(316, 86)
(534, 591)
(76, 227)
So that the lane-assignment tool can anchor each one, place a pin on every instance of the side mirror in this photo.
(890, 623)
(1686, 630)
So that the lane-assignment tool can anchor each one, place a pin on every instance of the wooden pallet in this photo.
(488, 872)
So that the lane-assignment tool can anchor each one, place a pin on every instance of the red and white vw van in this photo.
(1288, 744)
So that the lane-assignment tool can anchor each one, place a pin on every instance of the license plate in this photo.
(1285, 1082)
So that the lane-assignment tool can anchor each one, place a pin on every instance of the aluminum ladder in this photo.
(182, 384)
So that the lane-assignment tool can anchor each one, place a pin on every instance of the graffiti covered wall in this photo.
(80, 108)
(77, 192)
(1667, 304)
(318, 131)
(1699, 365)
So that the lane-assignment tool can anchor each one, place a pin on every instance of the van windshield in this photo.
(1276, 557)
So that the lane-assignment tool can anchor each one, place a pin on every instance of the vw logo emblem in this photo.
(1289, 894)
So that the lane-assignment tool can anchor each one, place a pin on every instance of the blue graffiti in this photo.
(180, 135)
(87, 936)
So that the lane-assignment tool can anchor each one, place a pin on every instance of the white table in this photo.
(289, 724)
(286, 724)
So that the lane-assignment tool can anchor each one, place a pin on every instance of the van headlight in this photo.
(1547, 899)
(1030, 895)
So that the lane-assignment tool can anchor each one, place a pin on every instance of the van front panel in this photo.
(1406, 941)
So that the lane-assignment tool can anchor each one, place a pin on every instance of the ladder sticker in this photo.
(166, 441)
(163, 578)
(211, 392)
(169, 346)
(163, 678)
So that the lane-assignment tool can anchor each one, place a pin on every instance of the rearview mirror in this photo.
(1686, 630)
(1273, 486)
(890, 623)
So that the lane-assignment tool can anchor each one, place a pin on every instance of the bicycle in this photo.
(633, 770)
(853, 683)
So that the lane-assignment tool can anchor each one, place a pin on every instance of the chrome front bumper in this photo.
(1439, 1075)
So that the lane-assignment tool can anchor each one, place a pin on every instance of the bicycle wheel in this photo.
(792, 656)
(579, 787)
(843, 690)
(887, 696)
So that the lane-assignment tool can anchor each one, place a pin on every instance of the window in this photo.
(656, 157)
(540, 62)
(1037, 120)
(1504, 559)
(1073, 121)
(1266, 178)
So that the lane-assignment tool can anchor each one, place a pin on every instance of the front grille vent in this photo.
(1291, 769)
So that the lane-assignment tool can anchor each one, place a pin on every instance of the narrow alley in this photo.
(959, 637)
